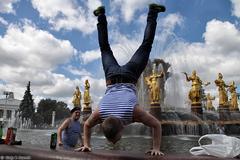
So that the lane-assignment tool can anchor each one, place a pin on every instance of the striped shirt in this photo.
(119, 101)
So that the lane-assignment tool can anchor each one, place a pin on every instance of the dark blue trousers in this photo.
(139, 60)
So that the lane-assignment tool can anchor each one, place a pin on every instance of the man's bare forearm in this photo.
(142, 116)
(90, 122)
(87, 135)
(157, 135)
(59, 133)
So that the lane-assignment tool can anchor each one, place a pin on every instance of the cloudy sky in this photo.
(54, 43)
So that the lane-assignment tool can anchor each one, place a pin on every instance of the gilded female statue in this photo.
(77, 98)
(86, 95)
(223, 98)
(209, 102)
(153, 85)
(195, 92)
(234, 101)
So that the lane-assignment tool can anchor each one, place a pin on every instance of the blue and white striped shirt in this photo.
(119, 101)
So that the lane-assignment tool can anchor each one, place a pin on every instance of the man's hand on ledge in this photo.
(155, 152)
(83, 149)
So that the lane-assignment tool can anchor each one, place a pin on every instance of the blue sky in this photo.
(54, 43)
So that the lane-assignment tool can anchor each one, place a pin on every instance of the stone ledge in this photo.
(22, 152)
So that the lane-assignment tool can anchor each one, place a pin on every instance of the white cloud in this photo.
(68, 15)
(29, 47)
(6, 6)
(3, 21)
(224, 36)
(128, 8)
(78, 71)
(171, 21)
(61, 86)
(30, 54)
(236, 8)
(90, 56)
(93, 4)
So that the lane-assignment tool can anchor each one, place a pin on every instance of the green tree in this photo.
(37, 119)
(62, 111)
(47, 106)
(26, 108)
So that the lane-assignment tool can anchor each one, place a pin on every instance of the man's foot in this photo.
(157, 7)
(100, 10)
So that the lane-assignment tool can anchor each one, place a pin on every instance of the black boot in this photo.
(100, 10)
(157, 7)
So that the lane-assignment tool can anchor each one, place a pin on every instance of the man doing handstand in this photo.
(119, 106)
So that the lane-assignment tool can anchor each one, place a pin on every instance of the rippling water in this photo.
(170, 144)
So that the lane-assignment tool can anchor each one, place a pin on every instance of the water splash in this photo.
(175, 98)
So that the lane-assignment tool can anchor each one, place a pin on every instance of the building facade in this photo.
(8, 108)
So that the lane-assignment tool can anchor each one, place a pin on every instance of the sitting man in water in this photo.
(119, 106)
(69, 133)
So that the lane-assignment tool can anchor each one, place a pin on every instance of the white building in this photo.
(8, 107)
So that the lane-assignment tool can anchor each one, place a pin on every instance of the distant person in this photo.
(119, 106)
(69, 132)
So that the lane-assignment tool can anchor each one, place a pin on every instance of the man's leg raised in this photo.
(108, 60)
(139, 60)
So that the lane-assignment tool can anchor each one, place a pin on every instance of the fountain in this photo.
(53, 118)
(191, 118)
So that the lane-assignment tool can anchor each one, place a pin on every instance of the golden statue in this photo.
(86, 95)
(223, 97)
(77, 98)
(153, 85)
(195, 93)
(209, 102)
(234, 101)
